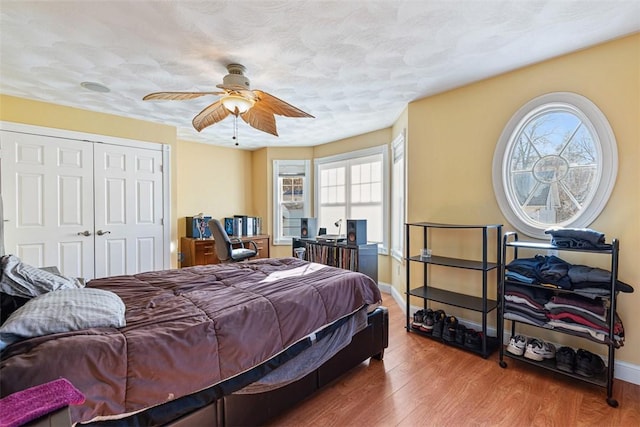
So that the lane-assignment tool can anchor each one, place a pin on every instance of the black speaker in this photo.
(308, 228)
(356, 231)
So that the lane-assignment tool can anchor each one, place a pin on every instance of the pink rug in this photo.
(27, 405)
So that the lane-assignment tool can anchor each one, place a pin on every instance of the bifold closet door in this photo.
(128, 210)
(91, 209)
(47, 190)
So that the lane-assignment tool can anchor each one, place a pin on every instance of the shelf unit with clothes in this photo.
(547, 292)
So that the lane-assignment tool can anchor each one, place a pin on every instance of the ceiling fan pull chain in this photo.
(235, 129)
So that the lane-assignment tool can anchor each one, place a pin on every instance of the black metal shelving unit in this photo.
(511, 242)
(428, 292)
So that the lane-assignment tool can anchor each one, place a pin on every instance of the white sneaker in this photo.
(539, 350)
(517, 344)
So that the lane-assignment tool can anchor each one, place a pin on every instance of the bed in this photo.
(225, 344)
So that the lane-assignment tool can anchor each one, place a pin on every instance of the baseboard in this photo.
(627, 372)
(624, 371)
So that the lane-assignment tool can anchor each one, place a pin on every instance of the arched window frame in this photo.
(605, 143)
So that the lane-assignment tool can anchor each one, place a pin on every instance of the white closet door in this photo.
(47, 187)
(128, 210)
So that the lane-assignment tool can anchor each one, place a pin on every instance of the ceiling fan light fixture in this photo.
(237, 103)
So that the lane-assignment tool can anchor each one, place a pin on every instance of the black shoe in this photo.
(461, 330)
(566, 359)
(473, 339)
(438, 323)
(588, 364)
(417, 319)
(427, 321)
(449, 330)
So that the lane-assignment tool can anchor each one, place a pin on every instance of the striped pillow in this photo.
(62, 311)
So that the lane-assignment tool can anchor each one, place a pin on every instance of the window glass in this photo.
(351, 186)
(555, 164)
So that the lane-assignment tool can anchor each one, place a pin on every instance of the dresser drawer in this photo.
(203, 251)
(263, 247)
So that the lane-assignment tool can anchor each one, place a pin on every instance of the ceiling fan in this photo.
(256, 107)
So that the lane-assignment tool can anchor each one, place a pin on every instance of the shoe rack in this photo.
(514, 248)
(420, 270)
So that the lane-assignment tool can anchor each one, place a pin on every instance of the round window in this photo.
(555, 164)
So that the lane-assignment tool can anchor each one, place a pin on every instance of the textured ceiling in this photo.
(354, 65)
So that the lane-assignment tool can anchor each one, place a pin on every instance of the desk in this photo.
(203, 251)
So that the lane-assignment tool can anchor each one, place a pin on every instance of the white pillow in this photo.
(23, 280)
(63, 311)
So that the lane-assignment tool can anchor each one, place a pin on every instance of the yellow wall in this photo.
(38, 113)
(452, 137)
(216, 181)
(358, 142)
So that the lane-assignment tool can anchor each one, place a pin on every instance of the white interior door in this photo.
(128, 210)
(93, 209)
(47, 189)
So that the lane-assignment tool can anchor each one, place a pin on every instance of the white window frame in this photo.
(605, 142)
(398, 202)
(278, 238)
(383, 247)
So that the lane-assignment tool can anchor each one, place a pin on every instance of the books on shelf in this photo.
(243, 225)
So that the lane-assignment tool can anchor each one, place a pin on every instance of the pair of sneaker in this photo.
(423, 320)
(532, 348)
(582, 362)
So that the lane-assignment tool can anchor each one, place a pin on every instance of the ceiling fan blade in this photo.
(210, 115)
(260, 118)
(278, 106)
(178, 96)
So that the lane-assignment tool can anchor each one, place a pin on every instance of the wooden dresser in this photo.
(203, 251)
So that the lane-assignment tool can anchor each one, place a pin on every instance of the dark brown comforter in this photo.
(186, 330)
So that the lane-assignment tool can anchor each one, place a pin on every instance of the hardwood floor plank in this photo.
(422, 382)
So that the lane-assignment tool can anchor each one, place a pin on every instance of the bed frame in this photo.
(232, 410)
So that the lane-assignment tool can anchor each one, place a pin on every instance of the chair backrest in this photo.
(222, 240)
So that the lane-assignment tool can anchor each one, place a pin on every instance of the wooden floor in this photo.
(421, 382)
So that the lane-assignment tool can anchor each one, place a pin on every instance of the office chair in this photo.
(225, 245)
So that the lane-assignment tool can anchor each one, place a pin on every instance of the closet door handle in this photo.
(85, 233)
(102, 233)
